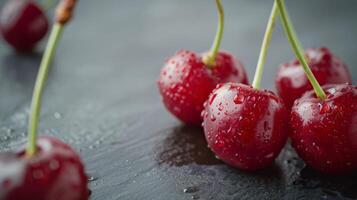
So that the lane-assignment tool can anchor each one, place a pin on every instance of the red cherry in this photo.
(185, 82)
(244, 127)
(55, 172)
(291, 81)
(23, 24)
(325, 131)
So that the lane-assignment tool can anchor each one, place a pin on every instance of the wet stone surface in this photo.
(102, 99)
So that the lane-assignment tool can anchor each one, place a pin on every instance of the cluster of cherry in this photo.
(247, 127)
(244, 126)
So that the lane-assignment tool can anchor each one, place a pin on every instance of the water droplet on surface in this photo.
(220, 107)
(212, 99)
(203, 113)
(269, 155)
(213, 118)
(177, 109)
(229, 130)
(266, 126)
(332, 90)
(9, 131)
(57, 115)
(219, 85)
(92, 178)
(238, 99)
(324, 108)
(190, 189)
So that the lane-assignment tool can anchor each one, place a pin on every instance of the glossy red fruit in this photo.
(185, 82)
(23, 24)
(244, 127)
(55, 172)
(291, 81)
(325, 131)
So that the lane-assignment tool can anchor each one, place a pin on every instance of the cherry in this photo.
(325, 131)
(23, 23)
(292, 83)
(55, 172)
(245, 127)
(185, 82)
(323, 121)
(187, 78)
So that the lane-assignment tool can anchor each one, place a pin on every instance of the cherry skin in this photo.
(23, 24)
(55, 172)
(325, 131)
(291, 81)
(244, 127)
(185, 82)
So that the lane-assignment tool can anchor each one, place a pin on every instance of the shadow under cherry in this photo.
(185, 145)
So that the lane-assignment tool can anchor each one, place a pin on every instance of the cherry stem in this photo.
(265, 46)
(297, 48)
(39, 87)
(210, 58)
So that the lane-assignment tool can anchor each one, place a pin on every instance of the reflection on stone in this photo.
(184, 145)
(332, 186)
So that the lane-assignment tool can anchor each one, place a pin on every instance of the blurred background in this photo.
(102, 87)
(115, 44)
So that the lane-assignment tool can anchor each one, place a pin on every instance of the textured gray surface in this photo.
(102, 99)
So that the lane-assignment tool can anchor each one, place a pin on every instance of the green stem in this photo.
(39, 86)
(265, 45)
(210, 58)
(297, 48)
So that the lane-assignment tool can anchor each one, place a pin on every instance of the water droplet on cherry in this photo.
(238, 99)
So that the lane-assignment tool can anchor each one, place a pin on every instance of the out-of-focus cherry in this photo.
(54, 172)
(291, 81)
(23, 24)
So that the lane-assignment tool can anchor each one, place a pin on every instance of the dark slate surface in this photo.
(102, 98)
